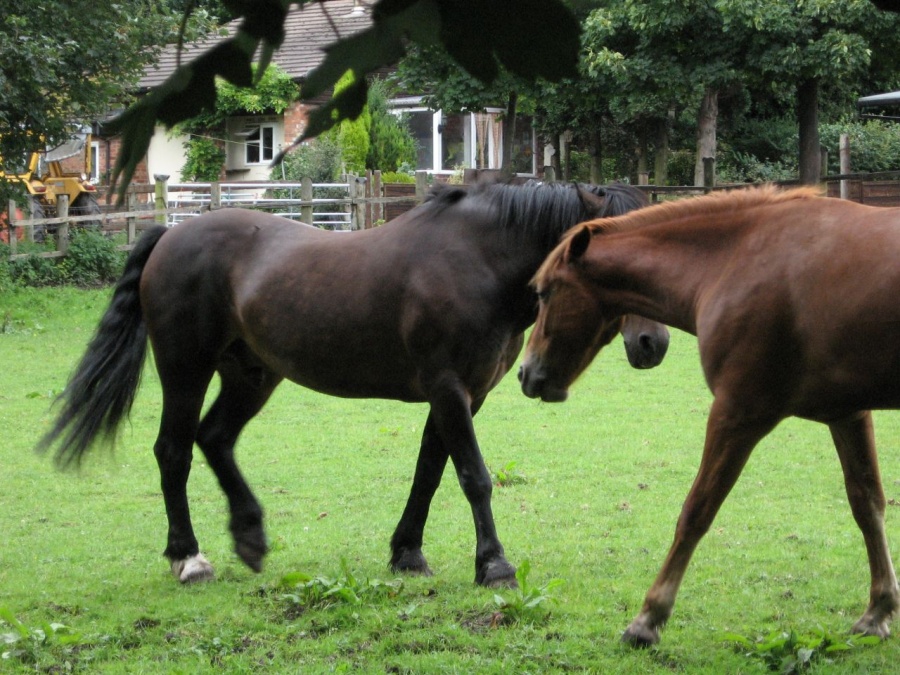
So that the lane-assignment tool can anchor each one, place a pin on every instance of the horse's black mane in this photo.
(544, 210)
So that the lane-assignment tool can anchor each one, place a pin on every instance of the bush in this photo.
(203, 160)
(92, 259)
(874, 145)
(319, 160)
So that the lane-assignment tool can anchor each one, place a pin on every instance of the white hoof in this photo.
(193, 570)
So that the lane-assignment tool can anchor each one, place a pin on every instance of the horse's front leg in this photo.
(406, 543)
(729, 441)
(451, 409)
(854, 439)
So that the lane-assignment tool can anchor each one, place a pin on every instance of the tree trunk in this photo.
(661, 153)
(509, 134)
(596, 152)
(706, 132)
(808, 122)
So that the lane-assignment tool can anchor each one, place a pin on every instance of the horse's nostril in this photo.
(645, 342)
(521, 373)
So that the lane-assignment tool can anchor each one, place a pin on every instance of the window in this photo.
(260, 144)
(95, 162)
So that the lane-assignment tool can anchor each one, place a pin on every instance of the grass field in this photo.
(84, 588)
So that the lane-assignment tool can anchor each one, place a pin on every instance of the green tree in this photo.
(806, 49)
(68, 62)
(352, 135)
(391, 145)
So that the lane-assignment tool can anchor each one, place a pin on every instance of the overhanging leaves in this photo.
(531, 38)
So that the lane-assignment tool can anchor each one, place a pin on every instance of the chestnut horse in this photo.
(794, 301)
(430, 307)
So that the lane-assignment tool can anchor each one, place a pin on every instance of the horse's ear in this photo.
(593, 204)
(578, 244)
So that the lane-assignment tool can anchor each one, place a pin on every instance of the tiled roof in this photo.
(308, 29)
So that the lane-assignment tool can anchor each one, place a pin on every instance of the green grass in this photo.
(603, 479)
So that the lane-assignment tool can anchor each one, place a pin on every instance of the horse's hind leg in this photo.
(854, 439)
(182, 402)
(246, 386)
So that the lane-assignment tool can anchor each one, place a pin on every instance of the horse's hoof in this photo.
(640, 635)
(193, 570)
(410, 561)
(252, 553)
(497, 574)
(867, 626)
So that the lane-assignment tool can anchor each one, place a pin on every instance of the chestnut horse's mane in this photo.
(715, 202)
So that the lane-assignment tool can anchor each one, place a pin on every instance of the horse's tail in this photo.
(102, 388)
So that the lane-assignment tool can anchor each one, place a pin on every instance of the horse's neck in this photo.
(660, 278)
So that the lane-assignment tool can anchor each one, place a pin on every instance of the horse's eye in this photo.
(543, 294)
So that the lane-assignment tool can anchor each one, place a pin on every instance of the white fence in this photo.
(356, 204)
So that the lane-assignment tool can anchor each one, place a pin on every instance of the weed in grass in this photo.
(24, 644)
(791, 652)
(509, 475)
(321, 592)
(528, 605)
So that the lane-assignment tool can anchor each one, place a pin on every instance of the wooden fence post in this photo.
(709, 172)
(306, 196)
(11, 220)
(359, 204)
(29, 229)
(421, 185)
(215, 195)
(377, 193)
(62, 232)
(845, 165)
(161, 195)
(130, 226)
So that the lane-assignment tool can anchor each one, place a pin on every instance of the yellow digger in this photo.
(45, 179)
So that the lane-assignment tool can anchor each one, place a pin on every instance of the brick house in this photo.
(446, 142)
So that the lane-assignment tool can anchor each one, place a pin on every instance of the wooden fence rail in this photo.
(162, 203)
(368, 202)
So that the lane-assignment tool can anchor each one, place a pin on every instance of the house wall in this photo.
(166, 155)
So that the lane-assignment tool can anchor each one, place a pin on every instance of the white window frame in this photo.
(261, 129)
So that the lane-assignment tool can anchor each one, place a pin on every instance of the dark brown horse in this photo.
(795, 302)
(429, 307)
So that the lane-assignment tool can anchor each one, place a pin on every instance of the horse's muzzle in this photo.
(536, 385)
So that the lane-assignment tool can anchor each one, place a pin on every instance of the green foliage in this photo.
(874, 145)
(272, 94)
(509, 475)
(23, 644)
(68, 62)
(352, 135)
(204, 159)
(528, 604)
(319, 160)
(92, 259)
(398, 177)
(790, 652)
(308, 592)
(391, 144)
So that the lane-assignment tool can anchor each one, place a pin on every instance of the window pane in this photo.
(268, 143)
(453, 142)
(420, 123)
